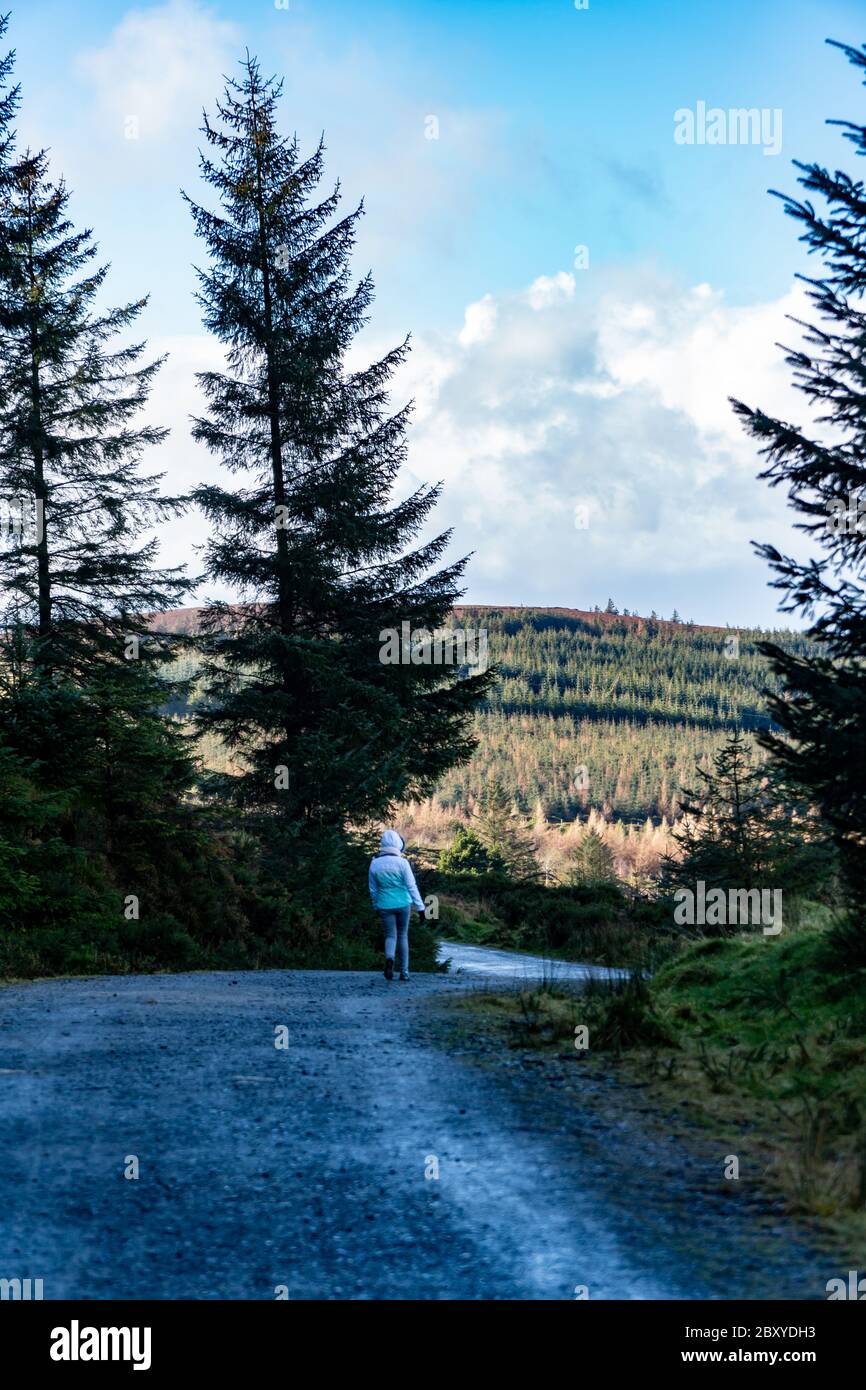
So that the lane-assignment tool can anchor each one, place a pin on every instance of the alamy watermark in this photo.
(853, 1288)
(22, 519)
(24, 1289)
(446, 646)
(736, 907)
(848, 517)
(77, 1343)
(739, 125)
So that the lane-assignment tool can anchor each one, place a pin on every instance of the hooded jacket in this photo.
(391, 880)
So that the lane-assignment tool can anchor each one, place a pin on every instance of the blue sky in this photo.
(542, 387)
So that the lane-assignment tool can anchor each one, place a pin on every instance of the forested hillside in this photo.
(593, 711)
(604, 711)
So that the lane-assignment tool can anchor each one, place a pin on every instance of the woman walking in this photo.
(393, 890)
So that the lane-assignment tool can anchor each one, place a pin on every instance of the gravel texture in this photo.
(311, 1168)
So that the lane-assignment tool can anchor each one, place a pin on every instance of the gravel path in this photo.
(314, 1167)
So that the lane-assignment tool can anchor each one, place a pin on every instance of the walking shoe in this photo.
(404, 975)
(389, 968)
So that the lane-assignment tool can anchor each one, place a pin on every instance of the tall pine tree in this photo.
(9, 101)
(309, 540)
(822, 705)
(82, 741)
(79, 578)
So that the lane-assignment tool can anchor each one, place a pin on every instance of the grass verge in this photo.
(758, 1041)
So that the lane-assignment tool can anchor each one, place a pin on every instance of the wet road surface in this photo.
(368, 1158)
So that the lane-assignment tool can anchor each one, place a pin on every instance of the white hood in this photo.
(391, 843)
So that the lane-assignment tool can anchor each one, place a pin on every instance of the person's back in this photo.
(393, 890)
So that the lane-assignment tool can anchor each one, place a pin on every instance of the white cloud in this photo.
(159, 67)
(550, 289)
(479, 322)
(695, 351)
(163, 64)
(614, 399)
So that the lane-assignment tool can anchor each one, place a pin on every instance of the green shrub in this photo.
(468, 855)
(621, 1014)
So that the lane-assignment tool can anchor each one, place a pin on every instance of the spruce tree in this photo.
(468, 855)
(95, 777)
(741, 828)
(593, 862)
(9, 102)
(309, 540)
(77, 577)
(821, 707)
(503, 832)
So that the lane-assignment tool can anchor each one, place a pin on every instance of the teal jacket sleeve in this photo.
(409, 879)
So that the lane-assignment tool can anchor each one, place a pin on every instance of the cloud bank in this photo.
(583, 432)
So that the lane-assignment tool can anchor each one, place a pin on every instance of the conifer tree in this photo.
(76, 575)
(309, 540)
(592, 862)
(10, 98)
(468, 855)
(503, 833)
(821, 707)
(81, 691)
(82, 739)
(741, 829)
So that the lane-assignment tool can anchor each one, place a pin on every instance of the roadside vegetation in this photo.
(226, 900)
(756, 1044)
(590, 923)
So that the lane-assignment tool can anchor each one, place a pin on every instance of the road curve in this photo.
(371, 1157)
